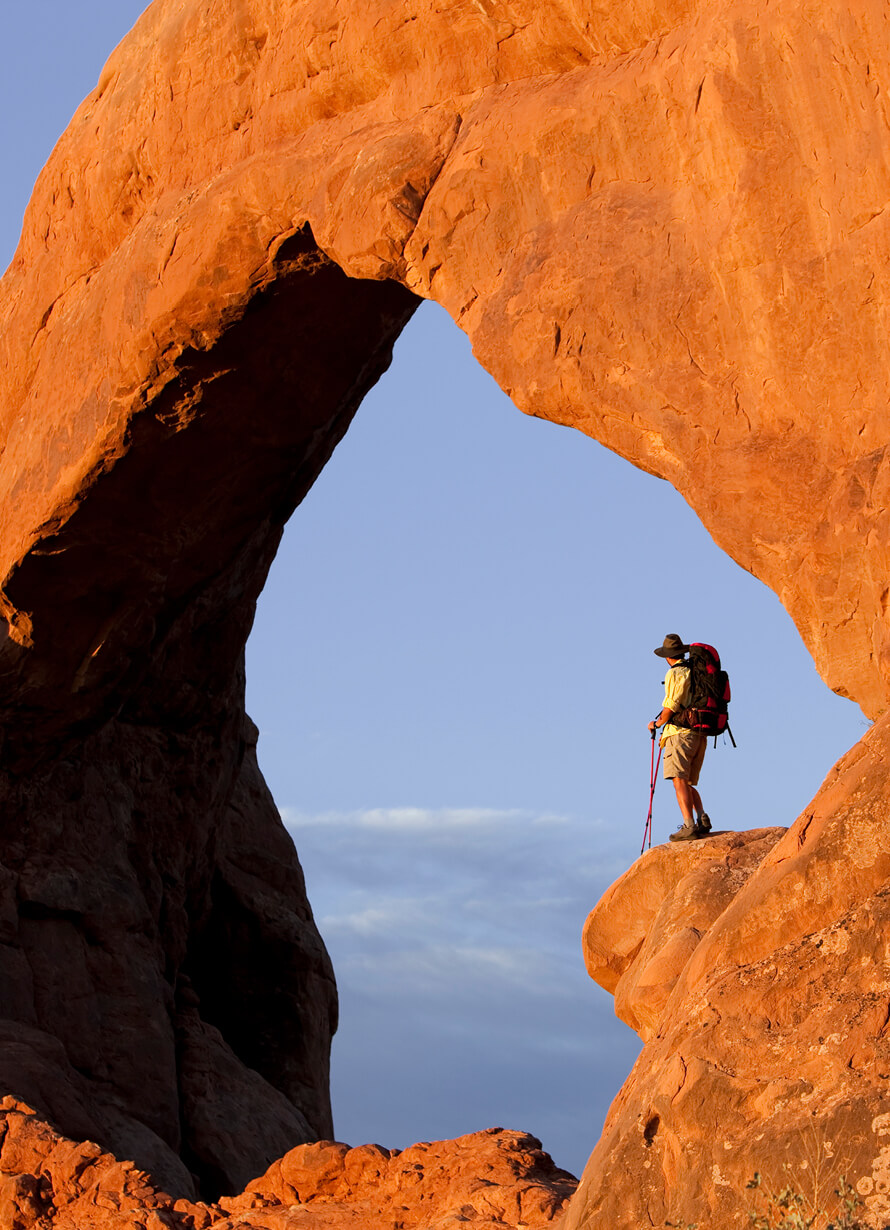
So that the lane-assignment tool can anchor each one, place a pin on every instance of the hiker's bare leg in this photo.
(696, 801)
(686, 796)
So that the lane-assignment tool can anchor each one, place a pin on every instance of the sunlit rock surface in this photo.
(757, 970)
(662, 223)
(493, 1180)
(640, 936)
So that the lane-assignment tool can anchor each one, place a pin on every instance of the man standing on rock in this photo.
(683, 750)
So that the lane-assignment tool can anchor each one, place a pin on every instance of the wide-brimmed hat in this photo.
(673, 647)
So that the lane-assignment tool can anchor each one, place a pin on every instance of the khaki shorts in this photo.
(683, 755)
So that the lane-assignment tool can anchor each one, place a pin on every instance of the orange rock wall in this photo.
(664, 226)
(759, 982)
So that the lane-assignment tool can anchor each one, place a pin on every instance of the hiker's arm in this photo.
(663, 718)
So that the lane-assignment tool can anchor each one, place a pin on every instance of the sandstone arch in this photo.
(653, 225)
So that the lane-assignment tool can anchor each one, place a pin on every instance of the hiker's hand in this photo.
(652, 728)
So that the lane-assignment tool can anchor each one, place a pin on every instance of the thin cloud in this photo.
(420, 819)
(455, 936)
(452, 965)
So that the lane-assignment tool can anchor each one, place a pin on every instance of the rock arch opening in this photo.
(457, 591)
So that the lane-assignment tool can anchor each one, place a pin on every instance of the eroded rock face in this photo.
(767, 1040)
(173, 995)
(52, 1183)
(663, 223)
(644, 930)
(496, 1179)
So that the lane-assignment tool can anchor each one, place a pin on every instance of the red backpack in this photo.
(708, 710)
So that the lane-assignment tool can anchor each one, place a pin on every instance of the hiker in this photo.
(684, 750)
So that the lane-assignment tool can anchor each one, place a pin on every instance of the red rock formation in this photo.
(491, 1179)
(768, 1047)
(639, 938)
(50, 1183)
(662, 223)
(177, 985)
(174, 990)
(653, 222)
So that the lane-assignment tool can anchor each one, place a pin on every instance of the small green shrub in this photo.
(790, 1210)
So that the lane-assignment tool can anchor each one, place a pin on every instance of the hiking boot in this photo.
(704, 822)
(684, 833)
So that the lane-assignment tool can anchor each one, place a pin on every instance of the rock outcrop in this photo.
(639, 938)
(50, 1183)
(493, 1180)
(664, 224)
(757, 970)
(488, 1179)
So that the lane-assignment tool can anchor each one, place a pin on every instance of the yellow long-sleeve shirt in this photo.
(677, 695)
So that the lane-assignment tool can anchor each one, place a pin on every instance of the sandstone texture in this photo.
(640, 936)
(488, 1179)
(756, 967)
(663, 223)
(50, 1183)
(493, 1180)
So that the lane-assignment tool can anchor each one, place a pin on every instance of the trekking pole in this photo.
(653, 778)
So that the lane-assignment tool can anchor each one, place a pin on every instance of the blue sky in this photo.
(452, 671)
